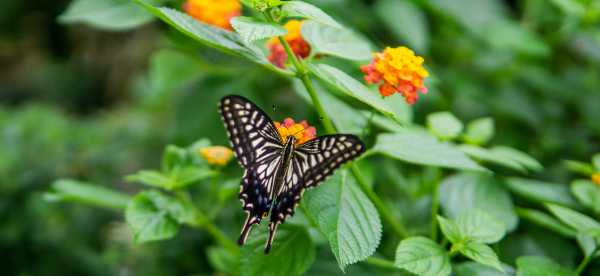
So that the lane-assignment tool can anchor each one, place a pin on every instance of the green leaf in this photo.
(339, 42)
(488, 156)
(467, 191)
(511, 36)
(421, 148)
(449, 229)
(353, 88)
(252, 30)
(406, 21)
(571, 7)
(345, 216)
(479, 15)
(477, 269)
(223, 260)
(150, 178)
(540, 266)
(596, 161)
(579, 167)
(305, 10)
(520, 157)
(173, 156)
(444, 125)
(478, 226)
(183, 177)
(169, 70)
(422, 256)
(82, 192)
(587, 244)
(541, 192)
(578, 221)
(114, 15)
(147, 221)
(293, 253)
(544, 220)
(482, 254)
(177, 209)
(479, 131)
(587, 193)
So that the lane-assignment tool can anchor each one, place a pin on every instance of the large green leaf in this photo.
(147, 221)
(466, 191)
(444, 125)
(346, 217)
(422, 256)
(339, 42)
(479, 15)
(406, 21)
(305, 10)
(487, 156)
(353, 88)
(587, 193)
(478, 226)
(419, 148)
(578, 221)
(252, 30)
(541, 192)
(544, 220)
(508, 35)
(82, 192)
(482, 254)
(520, 157)
(115, 15)
(293, 253)
(540, 266)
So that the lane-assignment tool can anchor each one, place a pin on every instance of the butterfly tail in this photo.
(250, 221)
(272, 231)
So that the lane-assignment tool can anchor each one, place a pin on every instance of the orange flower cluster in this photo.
(217, 155)
(299, 46)
(397, 70)
(596, 178)
(302, 131)
(213, 12)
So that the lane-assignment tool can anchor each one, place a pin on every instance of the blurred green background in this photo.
(91, 104)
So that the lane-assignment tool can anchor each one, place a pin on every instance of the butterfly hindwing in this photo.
(255, 202)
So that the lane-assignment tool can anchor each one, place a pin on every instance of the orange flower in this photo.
(299, 46)
(302, 131)
(397, 70)
(213, 12)
(596, 178)
(217, 155)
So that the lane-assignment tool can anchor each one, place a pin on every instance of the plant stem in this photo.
(586, 260)
(302, 74)
(435, 206)
(382, 263)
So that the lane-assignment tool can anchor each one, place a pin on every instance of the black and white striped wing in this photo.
(252, 134)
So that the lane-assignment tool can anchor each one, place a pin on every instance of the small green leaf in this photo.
(541, 192)
(150, 178)
(488, 156)
(114, 15)
(579, 167)
(173, 156)
(482, 254)
(293, 253)
(305, 10)
(353, 88)
(478, 226)
(520, 157)
(183, 177)
(477, 269)
(406, 21)
(544, 220)
(587, 193)
(421, 148)
(587, 244)
(596, 161)
(339, 42)
(540, 266)
(444, 125)
(479, 15)
(346, 216)
(578, 221)
(466, 191)
(252, 30)
(147, 221)
(449, 229)
(507, 35)
(181, 211)
(422, 256)
(77, 191)
(479, 131)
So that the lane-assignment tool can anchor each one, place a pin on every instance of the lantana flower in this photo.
(397, 70)
(213, 12)
(217, 155)
(294, 38)
(596, 178)
(301, 131)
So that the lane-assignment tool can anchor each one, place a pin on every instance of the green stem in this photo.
(586, 260)
(382, 263)
(302, 74)
(435, 206)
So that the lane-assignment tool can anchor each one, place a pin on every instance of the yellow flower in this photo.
(596, 178)
(217, 155)
(214, 12)
(294, 38)
(301, 131)
(397, 70)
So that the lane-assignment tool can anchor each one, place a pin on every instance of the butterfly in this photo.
(277, 171)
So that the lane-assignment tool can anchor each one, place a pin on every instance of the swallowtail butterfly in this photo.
(276, 172)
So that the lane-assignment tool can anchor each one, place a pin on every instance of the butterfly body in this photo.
(278, 170)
